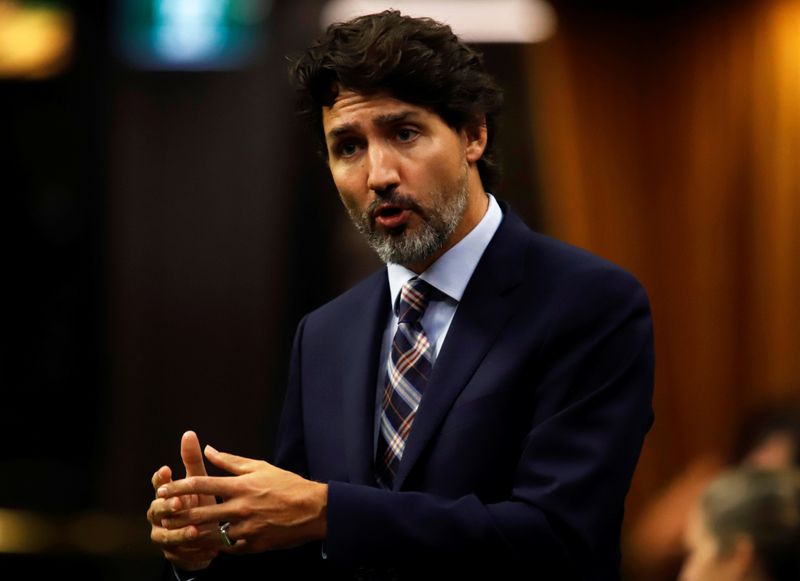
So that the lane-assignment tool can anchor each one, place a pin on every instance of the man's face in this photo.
(402, 173)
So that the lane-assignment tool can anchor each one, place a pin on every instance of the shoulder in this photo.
(553, 258)
(565, 263)
(562, 273)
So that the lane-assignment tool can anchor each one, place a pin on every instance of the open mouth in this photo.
(387, 211)
(389, 216)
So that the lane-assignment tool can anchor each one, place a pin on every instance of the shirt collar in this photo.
(452, 271)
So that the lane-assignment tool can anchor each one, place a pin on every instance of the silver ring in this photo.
(223, 533)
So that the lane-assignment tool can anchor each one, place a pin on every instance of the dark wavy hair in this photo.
(416, 60)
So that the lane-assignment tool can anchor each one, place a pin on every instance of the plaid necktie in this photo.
(408, 369)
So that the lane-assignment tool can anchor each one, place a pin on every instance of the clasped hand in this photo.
(267, 507)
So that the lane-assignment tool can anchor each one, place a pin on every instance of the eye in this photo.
(407, 134)
(346, 149)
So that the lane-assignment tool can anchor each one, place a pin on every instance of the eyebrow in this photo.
(380, 121)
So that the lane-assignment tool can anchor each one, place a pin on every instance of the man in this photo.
(477, 407)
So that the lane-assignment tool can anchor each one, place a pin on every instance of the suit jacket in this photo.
(525, 442)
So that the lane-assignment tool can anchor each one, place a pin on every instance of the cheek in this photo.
(436, 179)
(447, 167)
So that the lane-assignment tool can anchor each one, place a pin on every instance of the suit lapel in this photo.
(361, 354)
(482, 313)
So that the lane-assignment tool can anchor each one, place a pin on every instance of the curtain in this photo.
(670, 144)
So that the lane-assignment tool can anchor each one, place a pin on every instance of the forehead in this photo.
(358, 110)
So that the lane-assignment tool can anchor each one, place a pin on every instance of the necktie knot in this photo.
(413, 300)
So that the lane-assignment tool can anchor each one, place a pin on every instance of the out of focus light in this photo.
(35, 41)
(25, 532)
(187, 30)
(191, 34)
(483, 21)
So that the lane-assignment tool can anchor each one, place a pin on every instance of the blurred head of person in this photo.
(746, 527)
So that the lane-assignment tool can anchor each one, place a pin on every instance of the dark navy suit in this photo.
(524, 444)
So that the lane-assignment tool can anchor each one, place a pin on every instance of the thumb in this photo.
(191, 455)
(230, 462)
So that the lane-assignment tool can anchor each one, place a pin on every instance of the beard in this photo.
(409, 246)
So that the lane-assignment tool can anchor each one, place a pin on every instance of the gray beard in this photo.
(434, 230)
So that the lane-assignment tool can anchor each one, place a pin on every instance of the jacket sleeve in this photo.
(290, 453)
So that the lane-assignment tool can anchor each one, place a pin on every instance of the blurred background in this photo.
(169, 222)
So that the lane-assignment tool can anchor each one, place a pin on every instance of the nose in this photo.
(383, 173)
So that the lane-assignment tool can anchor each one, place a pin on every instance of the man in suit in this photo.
(476, 407)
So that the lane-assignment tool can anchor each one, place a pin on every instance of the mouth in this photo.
(390, 216)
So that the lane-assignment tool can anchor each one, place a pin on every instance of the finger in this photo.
(236, 533)
(209, 516)
(166, 512)
(161, 476)
(207, 538)
(158, 510)
(194, 464)
(240, 547)
(173, 538)
(163, 508)
(191, 455)
(189, 538)
(232, 463)
(214, 485)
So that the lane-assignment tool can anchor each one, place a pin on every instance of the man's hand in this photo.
(268, 508)
(190, 547)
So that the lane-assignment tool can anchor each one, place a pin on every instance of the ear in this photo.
(476, 137)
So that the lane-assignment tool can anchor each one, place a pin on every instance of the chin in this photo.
(392, 233)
